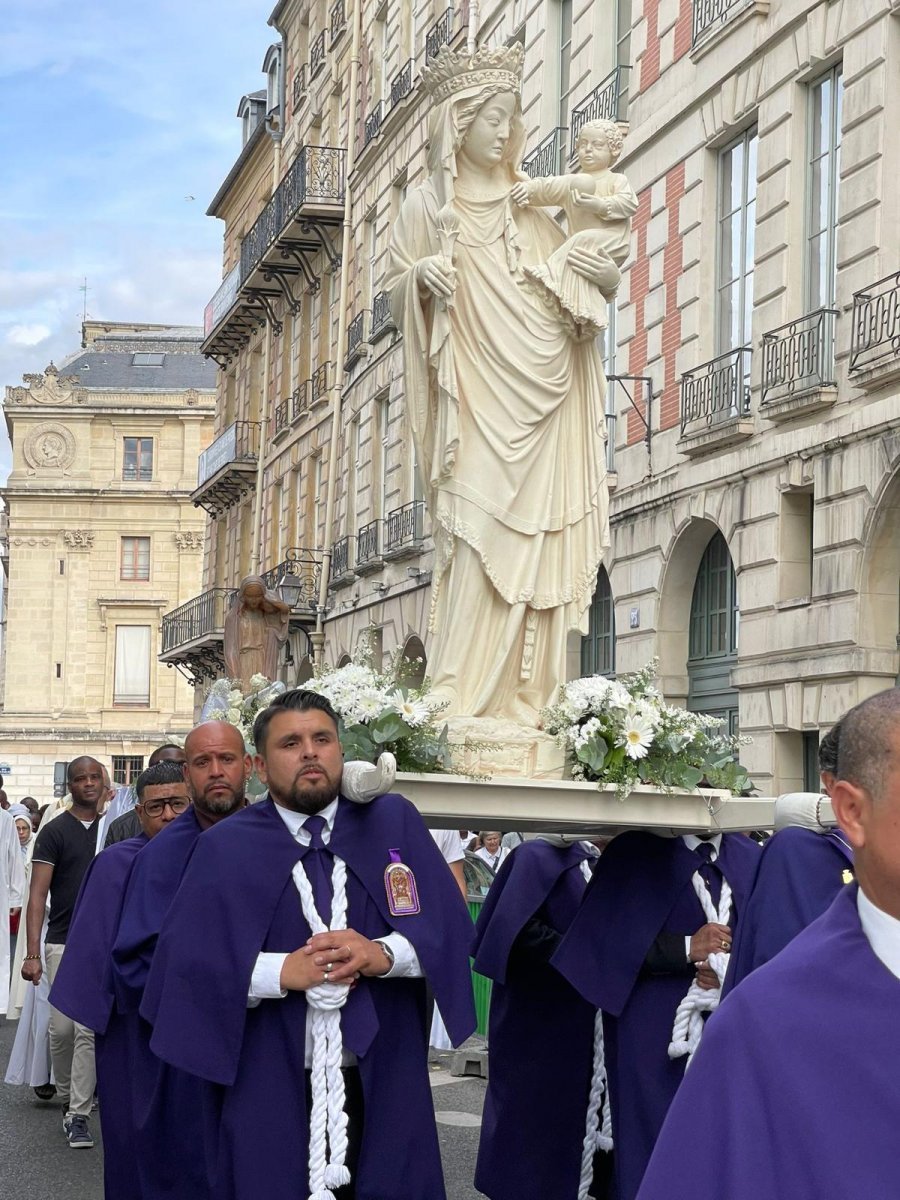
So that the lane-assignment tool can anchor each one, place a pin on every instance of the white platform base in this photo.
(563, 806)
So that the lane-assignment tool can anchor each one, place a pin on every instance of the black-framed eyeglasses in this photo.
(154, 808)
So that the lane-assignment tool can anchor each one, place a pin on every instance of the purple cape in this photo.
(794, 1088)
(170, 1107)
(799, 874)
(83, 990)
(541, 1033)
(641, 888)
(238, 899)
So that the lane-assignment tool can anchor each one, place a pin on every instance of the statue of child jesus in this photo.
(599, 204)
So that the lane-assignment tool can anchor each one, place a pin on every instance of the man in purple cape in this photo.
(83, 988)
(219, 1013)
(632, 950)
(170, 1108)
(794, 1087)
(541, 1032)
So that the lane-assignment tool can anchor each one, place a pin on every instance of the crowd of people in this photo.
(245, 988)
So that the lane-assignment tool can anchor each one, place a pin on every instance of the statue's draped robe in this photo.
(507, 417)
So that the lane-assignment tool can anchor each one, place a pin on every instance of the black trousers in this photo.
(353, 1106)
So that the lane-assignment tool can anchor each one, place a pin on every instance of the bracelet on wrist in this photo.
(31, 957)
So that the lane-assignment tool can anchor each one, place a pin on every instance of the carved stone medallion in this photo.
(49, 446)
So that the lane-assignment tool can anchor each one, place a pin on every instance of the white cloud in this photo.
(28, 335)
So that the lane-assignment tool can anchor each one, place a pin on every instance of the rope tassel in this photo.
(328, 1120)
(598, 1113)
(688, 1027)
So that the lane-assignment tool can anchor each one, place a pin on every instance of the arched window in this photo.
(344, 661)
(414, 663)
(598, 649)
(714, 635)
(305, 671)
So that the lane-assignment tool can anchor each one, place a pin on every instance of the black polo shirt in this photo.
(69, 848)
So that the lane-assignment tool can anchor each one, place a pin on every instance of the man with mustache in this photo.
(290, 971)
(170, 1106)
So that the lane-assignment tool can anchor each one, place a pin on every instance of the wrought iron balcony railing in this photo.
(338, 22)
(710, 13)
(319, 383)
(298, 90)
(545, 158)
(238, 443)
(382, 318)
(340, 557)
(439, 34)
(200, 618)
(368, 544)
(300, 575)
(373, 124)
(317, 55)
(716, 391)
(282, 410)
(605, 103)
(799, 356)
(356, 336)
(300, 401)
(404, 527)
(876, 324)
(401, 85)
(316, 176)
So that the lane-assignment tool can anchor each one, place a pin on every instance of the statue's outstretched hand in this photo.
(520, 194)
(436, 275)
(596, 266)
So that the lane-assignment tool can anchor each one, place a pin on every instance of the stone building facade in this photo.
(99, 540)
(753, 351)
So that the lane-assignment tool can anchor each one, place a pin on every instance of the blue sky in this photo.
(118, 127)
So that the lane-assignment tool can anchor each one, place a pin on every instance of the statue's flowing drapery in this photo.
(507, 416)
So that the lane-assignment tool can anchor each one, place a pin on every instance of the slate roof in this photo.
(110, 362)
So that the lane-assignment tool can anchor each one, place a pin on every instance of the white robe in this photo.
(12, 894)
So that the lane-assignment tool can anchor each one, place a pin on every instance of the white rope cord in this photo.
(596, 1139)
(328, 1120)
(688, 1027)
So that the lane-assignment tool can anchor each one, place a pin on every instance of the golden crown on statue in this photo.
(454, 71)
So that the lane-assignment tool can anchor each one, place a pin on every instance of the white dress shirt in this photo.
(494, 861)
(882, 932)
(692, 842)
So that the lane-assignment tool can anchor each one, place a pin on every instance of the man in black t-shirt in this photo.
(63, 851)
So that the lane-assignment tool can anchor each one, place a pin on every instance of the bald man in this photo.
(169, 1105)
(63, 851)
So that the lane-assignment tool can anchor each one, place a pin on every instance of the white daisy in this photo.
(636, 737)
(413, 712)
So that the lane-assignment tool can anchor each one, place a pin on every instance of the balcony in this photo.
(341, 565)
(298, 578)
(193, 635)
(317, 55)
(439, 34)
(300, 85)
(318, 385)
(382, 318)
(546, 158)
(338, 21)
(368, 548)
(373, 124)
(300, 402)
(357, 345)
(607, 102)
(404, 531)
(715, 403)
(712, 15)
(875, 337)
(282, 412)
(401, 85)
(798, 375)
(284, 243)
(226, 470)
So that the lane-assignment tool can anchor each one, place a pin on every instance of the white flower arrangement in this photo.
(225, 701)
(620, 732)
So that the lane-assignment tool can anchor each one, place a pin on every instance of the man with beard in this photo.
(290, 971)
(170, 1106)
(63, 851)
(83, 988)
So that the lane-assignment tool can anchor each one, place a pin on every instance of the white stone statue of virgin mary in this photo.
(507, 411)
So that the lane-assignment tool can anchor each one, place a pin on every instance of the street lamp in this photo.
(289, 588)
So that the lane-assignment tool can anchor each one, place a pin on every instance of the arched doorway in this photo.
(305, 671)
(879, 591)
(414, 663)
(598, 649)
(344, 661)
(713, 637)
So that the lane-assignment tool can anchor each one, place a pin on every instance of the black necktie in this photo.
(709, 871)
(318, 862)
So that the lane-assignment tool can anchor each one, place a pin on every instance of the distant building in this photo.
(99, 538)
(753, 352)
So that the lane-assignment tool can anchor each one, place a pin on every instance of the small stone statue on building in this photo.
(256, 627)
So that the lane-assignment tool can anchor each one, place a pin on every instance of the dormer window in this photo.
(251, 110)
(272, 71)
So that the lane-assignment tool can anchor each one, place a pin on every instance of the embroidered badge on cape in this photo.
(400, 885)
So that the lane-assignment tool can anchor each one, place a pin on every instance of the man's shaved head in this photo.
(218, 731)
(865, 753)
(79, 764)
(216, 767)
